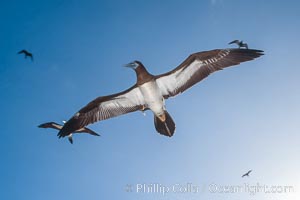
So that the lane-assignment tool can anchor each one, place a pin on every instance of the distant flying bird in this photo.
(150, 92)
(59, 127)
(239, 43)
(247, 174)
(26, 53)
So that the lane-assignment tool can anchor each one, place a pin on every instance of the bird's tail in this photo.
(166, 127)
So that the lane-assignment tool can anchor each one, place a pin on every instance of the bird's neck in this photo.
(143, 75)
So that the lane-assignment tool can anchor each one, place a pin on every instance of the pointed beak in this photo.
(129, 65)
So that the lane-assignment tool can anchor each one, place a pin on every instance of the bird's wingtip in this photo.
(251, 51)
(44, 125)
(60, 134)
(97, 134)
(232, 42)
(94, 133)
(70, 139)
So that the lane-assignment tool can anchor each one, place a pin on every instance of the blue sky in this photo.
(244, 117)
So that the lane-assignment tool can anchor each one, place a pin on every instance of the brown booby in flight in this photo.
(59, 127)
(239, 43)
(26, 53)
(150, 92)
(247, 174)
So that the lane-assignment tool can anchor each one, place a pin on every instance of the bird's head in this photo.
(134, 65)
(141, 73)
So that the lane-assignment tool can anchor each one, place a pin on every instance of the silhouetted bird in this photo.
(26, 53)
(247, 174)
(150, 92)
(239, 43)
(59, 127)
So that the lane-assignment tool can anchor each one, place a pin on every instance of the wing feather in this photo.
(105, 107)
(199, 65)
(51, 125)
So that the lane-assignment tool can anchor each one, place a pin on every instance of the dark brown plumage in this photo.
(241, 44)
(150, 91)
(212, 61)
(167, 127)
(26, 53)
(246, 174)
(59, 127)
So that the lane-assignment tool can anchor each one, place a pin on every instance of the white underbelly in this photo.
(153, 97)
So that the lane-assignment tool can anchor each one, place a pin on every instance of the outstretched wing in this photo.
(87, 130)
(234, 41)
(51, 125)
(199, 65)
(22, 51)
(104, 108)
